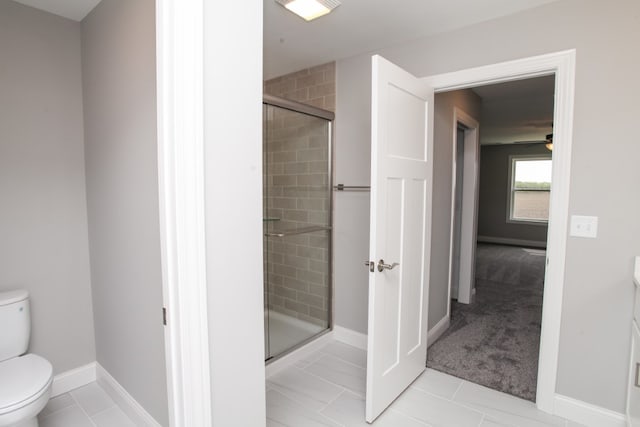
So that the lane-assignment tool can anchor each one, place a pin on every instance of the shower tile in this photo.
(310, 391)
(311, 300)
(339, 372)
(296, 306)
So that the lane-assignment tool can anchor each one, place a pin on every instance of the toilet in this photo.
(25, 379)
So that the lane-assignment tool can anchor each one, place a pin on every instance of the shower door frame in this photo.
(329, 116)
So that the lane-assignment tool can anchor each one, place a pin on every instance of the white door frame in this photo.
(562, 65)
(180, 91)
(469, 215)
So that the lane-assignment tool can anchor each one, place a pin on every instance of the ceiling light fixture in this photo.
(309, 9)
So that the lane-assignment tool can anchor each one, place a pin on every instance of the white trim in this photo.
(297, 355)
(512, 242)
(562, 64)
(350, 337)
(180, 87)
(123, 399)
(513, 158)
(469, 214)
(439, 329)
(586, 413)
(72, 379)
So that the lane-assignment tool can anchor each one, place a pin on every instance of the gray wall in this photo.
(43, 220)
(596, 311)
(443, 128)
(118, 64)
(493, 192)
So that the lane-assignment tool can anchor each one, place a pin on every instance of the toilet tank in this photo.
(15, 323)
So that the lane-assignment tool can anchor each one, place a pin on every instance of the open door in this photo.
(400, 234)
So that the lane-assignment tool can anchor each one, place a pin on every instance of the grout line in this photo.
(80, 406)
(327, 405)
(333, 400)
(455, 393)
(342, 360)
(328, 381)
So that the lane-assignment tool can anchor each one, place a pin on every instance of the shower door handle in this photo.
(382, 266)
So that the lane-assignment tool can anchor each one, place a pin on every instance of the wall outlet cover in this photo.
(584, 226)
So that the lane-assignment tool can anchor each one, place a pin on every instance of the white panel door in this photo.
(401, 171)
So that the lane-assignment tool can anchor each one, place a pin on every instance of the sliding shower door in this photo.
(297, 224)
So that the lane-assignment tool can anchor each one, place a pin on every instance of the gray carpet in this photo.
(495, 341)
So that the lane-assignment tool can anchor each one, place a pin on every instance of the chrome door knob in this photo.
(382, 266)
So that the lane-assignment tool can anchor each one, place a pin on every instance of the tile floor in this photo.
(328, 388)
(88, 406)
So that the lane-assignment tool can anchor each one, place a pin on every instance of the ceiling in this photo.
(517, 111)
(72, 9)
(355, 27)
(359, 26)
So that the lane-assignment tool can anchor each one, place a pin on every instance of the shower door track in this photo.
(299, 107)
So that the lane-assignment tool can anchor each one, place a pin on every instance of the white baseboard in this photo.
(437, 331)
(586, 413)
(514, 242)
(123, 399)
(275, 366)
(72, 379)
(350, 337)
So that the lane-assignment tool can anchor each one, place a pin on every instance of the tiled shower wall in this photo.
(314, 86)
(297, 194)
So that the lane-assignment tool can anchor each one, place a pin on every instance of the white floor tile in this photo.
(71, 416)
(503, 408)
(282, 411)
(347, 353)
(490, 423)
(57, 403)
(92, 398)
(434, 410)
(348, 409)
(112, 417)
(339, 372)
(310, 391)
(308, 360)
(437, 383)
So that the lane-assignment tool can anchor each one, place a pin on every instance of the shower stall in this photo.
(297, 193)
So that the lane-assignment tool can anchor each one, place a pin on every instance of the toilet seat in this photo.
(24, 379)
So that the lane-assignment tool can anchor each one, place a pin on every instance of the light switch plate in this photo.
(584, 226)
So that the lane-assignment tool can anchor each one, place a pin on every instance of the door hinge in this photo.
(164, 316)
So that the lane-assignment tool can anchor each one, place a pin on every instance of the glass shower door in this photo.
(297, 227)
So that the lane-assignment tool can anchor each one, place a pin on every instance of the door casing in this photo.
(562, 65)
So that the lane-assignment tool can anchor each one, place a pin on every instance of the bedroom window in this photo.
(529, 189)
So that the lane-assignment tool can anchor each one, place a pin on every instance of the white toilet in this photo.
(25, 379)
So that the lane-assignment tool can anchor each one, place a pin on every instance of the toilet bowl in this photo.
(25, 379)
(26, 388)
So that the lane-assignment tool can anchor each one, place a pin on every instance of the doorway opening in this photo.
(501, 186)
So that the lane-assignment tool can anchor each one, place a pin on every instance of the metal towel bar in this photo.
(342, 187)
(303, 230)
